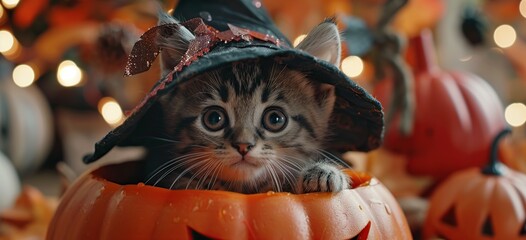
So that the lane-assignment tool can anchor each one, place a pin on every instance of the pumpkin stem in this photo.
(421, 54)
(494, 164)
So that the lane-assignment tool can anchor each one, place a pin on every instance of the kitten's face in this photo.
(247, 123)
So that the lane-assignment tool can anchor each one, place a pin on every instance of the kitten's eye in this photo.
(274, 119)
(214, 118)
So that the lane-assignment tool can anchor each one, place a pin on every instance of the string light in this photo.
(111, 111)
(23, 75)
(298, 39)
(69, 74)
(504, 36)
(10, 4)
(352, 66)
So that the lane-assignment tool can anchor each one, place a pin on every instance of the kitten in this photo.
(248, 127)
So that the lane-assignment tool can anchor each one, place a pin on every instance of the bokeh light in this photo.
(515, 114)
(522, 8)
(298, 39)
(504, 36)
(23, 75)
(352, 66)
(10, 4)
(7, 41)
(69, 74)
(111, 111)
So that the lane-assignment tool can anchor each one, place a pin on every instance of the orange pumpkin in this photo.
(475, 204)
(456, 116)
(105, 205)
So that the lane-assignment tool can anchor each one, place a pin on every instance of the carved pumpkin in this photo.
(475, 204)
(456, 116)
(101, 205)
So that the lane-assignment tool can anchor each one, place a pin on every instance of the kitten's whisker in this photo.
(169, 142)
(178, 161)
(198, 173)
(287, 175)
(205, 172)
(215, 174)
(333, 158)
(274, 177)
(173, 168)
(290, 160)
(162, 139)
(197, 164)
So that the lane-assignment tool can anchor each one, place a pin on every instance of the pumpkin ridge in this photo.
(163, 211)
(505, 199)
(94, 202)
(65, 222)
(481, 199)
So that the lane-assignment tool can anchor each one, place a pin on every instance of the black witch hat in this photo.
(228, 31)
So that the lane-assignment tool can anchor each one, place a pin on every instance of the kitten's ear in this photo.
(173, 43)
(324, 42)
(326, 96)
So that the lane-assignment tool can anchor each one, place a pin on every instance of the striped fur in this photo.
(279, 161)
(249, 127)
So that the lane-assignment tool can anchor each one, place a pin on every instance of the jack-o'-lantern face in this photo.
(475, 204)
(104, 209)
(471, 205)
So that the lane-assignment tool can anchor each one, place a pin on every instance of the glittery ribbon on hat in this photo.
(146, 50)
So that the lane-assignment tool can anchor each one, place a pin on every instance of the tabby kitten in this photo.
(249, 127)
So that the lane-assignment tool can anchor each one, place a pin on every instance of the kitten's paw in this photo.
(322, 177)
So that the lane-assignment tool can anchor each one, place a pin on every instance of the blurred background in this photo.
(62, 86)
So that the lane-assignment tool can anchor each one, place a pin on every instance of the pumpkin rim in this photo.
(130, 170)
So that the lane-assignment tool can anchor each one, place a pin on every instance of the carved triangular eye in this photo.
(450, 217)
(487, 228)
(364, 234)
(196, 235)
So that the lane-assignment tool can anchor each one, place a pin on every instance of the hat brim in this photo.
(357, 120)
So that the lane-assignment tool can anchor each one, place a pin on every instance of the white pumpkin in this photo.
(26, 126)
(9, 183)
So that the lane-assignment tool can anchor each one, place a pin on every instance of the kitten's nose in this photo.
(243, 148)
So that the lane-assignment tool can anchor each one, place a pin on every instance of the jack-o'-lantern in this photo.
(104, 205)
(479, 204)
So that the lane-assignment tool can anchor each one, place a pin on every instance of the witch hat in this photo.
(229, 31)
